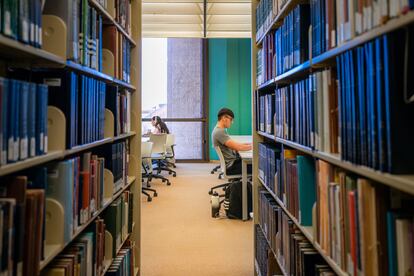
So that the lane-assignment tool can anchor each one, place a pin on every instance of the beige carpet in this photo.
(181, 238)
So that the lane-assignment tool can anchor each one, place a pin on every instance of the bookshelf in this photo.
(399, 183)
(15, 54)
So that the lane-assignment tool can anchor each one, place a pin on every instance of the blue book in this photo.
(306, 188)
(373, 105)
(24, 108)
(387, 94)
(362, 105)
(31, 122)
(369, 111)
(380, 104)
(13, 122)
(43, 134)
(354, 109)
(4, 104)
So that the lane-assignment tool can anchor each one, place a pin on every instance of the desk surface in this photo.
(246, 154)
(242, 138)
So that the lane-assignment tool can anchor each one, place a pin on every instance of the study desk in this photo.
(247, 158)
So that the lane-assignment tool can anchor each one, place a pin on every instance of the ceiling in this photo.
(185, 18)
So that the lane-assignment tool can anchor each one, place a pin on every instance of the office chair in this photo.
(146, 148)
(230, 178)
(170, 153)
(158, 154)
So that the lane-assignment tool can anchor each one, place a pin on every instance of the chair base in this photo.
(215, 169)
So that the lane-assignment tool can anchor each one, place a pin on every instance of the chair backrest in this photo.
(159, 141)
(170, 140)
(222, 161)
(146, 149)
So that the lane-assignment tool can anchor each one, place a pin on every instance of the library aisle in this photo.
(179, 237)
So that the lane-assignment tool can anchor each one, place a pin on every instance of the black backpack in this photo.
(233, 200)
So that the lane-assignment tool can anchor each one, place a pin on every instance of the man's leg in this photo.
(236, 168)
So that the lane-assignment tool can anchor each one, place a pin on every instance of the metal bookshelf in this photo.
(16, 54)
(401, 182)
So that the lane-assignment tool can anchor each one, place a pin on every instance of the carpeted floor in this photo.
(179, 236)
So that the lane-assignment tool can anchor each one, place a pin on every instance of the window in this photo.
(172, 88)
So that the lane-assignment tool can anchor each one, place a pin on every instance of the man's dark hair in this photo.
(225, 111)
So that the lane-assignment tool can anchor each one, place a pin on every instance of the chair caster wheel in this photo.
(175, 175)
(168, 183)
(149, 199)
(174, 166)
(210, 192)
(163, 180)
(155, 194)
(170, 173)
(212, 172)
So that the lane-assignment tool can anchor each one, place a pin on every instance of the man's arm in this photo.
(238, 146)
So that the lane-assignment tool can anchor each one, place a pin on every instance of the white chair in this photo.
(230, 178)
(159, 153)
(170, 153)
(146, 148)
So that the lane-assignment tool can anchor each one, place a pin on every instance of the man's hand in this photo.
(238, 146)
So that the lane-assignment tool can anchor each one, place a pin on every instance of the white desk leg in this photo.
(244, 189)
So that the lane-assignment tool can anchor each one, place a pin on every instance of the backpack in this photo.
(233, 200)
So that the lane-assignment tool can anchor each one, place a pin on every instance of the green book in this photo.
(113, 223)
(306, 188)
(9, 16)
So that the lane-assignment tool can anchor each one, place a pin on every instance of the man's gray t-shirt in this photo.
(220, 137)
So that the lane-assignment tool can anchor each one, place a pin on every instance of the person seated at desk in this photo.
(229, 148)
(159, 126)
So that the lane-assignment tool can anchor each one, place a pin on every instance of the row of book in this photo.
(266, 113)
(118, 101)
(291, 46)
(123, 14)
(81, 99)
(376, 103)
(295, 254)
(86, 255)
(119, 46)
(116, 160)
(306, 112)
(88, 36)
(285, 48)
(291, 178)
(23, 120)
(265, 259)
(335, 22)
(22, 20)
(84, 29)
(363, 226)
(21, 208)
(124, 262)
(77, 186)
(266, 11)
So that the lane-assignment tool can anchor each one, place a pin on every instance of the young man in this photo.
(229, 148)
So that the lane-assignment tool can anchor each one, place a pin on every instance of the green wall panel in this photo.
(230, 84)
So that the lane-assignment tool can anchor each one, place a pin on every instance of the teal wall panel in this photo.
(230, 84)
